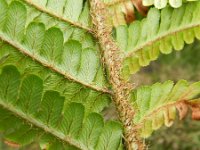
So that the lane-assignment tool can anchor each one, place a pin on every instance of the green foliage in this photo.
(144, 40)
(49, 45)
(53, 83)
(156, 105)
(94, 101)
(28, 112)
(178, 65)
(47, 51)
(58, 87)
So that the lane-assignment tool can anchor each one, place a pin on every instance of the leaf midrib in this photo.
(75, 24)
(160, 37)
(158, 109)
(42, 126)
(23, 50)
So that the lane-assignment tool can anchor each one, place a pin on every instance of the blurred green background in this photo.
(183, 135)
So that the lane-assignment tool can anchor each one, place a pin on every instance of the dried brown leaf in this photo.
(182, 109)
(12, 144)
(142, 9)
(129, 12)
(195, 113)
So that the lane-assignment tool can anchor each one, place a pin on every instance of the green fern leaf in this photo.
(28, 112)
(161, 31)
(93, 101)
(52, 81)
(156, 105)
(50, 47)
(52, 55)
(53, 84)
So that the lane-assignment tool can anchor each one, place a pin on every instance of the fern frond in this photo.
(52, 81)
(69, 51)
(33, 47)
(162, 31)
(156, 105)
(29, 112)
(93, 100)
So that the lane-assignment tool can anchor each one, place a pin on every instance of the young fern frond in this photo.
(161, 32)
(156, 105)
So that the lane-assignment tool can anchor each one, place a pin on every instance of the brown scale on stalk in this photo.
(113, 60)
(128, 8)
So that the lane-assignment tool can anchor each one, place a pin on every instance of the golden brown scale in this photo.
(128, 9)
(139, 6)
(113, 60)
(12, 144)
(130, 14)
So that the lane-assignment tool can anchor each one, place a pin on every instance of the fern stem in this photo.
(113, 60)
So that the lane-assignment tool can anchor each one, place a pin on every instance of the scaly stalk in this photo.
(113, 60)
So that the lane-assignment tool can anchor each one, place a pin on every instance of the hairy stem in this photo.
(113, 60)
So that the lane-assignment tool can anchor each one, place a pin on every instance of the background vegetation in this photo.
(183, 135)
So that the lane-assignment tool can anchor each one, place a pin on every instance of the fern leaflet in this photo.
(156, 105)
(143, 40)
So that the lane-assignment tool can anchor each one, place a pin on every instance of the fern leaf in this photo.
(52, 81)
(162, 31)
(32, 112)
(34, 48)
(52, 42)
(94, 101)
(157, 104)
